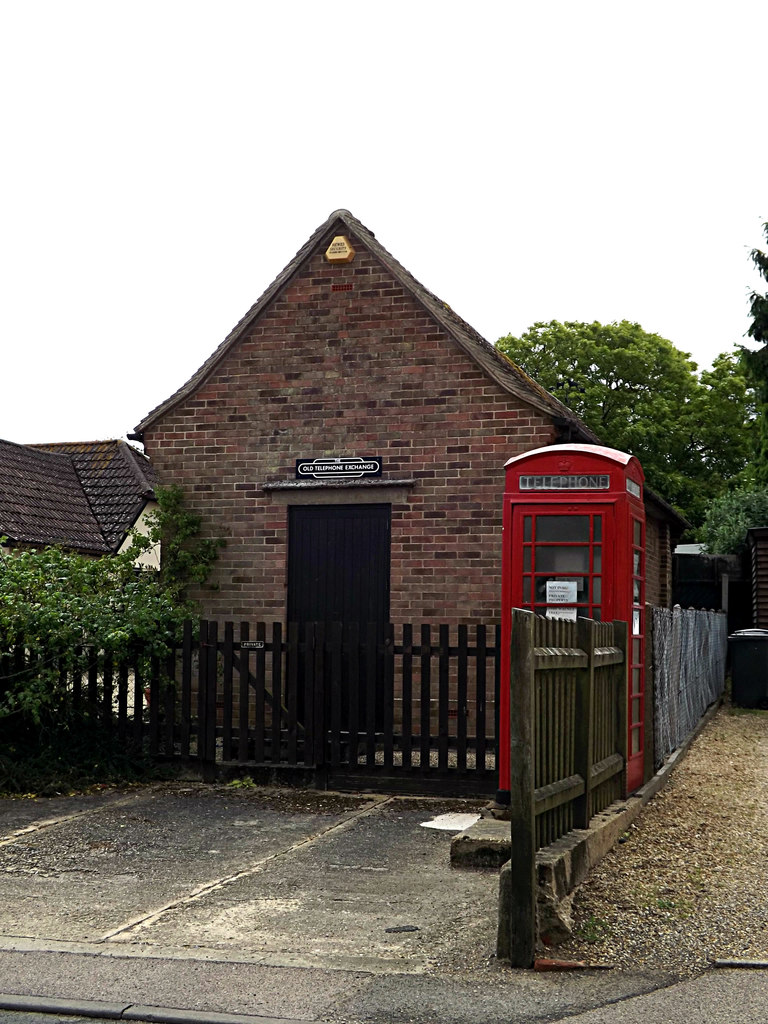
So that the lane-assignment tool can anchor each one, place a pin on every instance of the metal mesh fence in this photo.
(689, 652)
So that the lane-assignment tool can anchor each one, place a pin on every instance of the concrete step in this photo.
(486, 845)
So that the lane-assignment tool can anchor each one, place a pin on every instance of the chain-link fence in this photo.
(689, 652)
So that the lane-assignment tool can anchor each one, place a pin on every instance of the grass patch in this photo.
(594, 929)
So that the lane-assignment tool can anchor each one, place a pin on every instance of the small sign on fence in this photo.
(252, 645)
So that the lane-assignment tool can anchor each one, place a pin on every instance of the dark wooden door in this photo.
(338, 571)
(338, 563)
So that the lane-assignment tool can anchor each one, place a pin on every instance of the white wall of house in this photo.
(149, 559)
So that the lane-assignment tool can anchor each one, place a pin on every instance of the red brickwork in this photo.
(658, 562)
(346, 361)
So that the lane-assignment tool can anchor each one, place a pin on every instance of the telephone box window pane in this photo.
(526, 589)
(636, 651)
(562, 559)
(637, 711)
(636, 563)
(597, 528)
(635, 741)
(636, 630)
(527, 527)
(597, 589)
(637, 532)
(596, 614)
(635, 591)
(526, 559)
(637, 680)
(562, 528)
(597, 560)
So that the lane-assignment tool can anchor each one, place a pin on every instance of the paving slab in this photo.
(85, 876)
(337, 881)
(18, 813)
(378, 886)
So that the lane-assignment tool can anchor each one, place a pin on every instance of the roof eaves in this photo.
(669, 512)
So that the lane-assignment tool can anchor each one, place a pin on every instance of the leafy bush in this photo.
(56, 605)
(724, 531)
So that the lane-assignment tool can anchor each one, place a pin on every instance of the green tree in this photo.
(757, 364)
(186, 557)
(728, 518)
(758, 302)
(59, 603)
(641, 394)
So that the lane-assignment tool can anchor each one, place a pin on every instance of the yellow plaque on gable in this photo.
(340, 251)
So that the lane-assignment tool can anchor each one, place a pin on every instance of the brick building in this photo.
(347, 357)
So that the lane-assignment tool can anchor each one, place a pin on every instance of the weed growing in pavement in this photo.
(594, 929)
(244, 783)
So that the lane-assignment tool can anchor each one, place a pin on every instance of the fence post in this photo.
(517, 920)
(209, 656)
(584, 731)
(676, 676)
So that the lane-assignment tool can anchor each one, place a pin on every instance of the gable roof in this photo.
(84, 496)
(493, 363)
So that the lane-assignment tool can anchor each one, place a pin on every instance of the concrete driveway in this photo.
(253, 875)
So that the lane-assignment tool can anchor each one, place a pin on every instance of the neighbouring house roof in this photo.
(84, 496)
(497, 366)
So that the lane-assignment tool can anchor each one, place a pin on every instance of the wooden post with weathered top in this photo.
(517, 937)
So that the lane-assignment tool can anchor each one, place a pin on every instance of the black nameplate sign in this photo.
(251, 645)
(338, 469)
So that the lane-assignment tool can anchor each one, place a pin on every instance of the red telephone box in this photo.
(574, 545)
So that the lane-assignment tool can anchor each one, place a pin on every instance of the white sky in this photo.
(162, 161)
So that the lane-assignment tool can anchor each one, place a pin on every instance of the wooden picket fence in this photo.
(407, 709)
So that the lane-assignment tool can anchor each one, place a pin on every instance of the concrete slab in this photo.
(374, 889)
(343, 882)
(485, 845)
(33, 813)
(84, 876)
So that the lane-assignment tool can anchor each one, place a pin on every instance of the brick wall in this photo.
(658, 562)
(347, 362)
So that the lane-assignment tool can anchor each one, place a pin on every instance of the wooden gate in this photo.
(406, 709)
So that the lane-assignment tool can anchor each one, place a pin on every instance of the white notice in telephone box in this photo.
(561, 592)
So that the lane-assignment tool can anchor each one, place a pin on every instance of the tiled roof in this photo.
(498, 367)
(83, 496)
(42, 501)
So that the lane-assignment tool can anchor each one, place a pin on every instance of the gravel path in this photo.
(689, 882)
